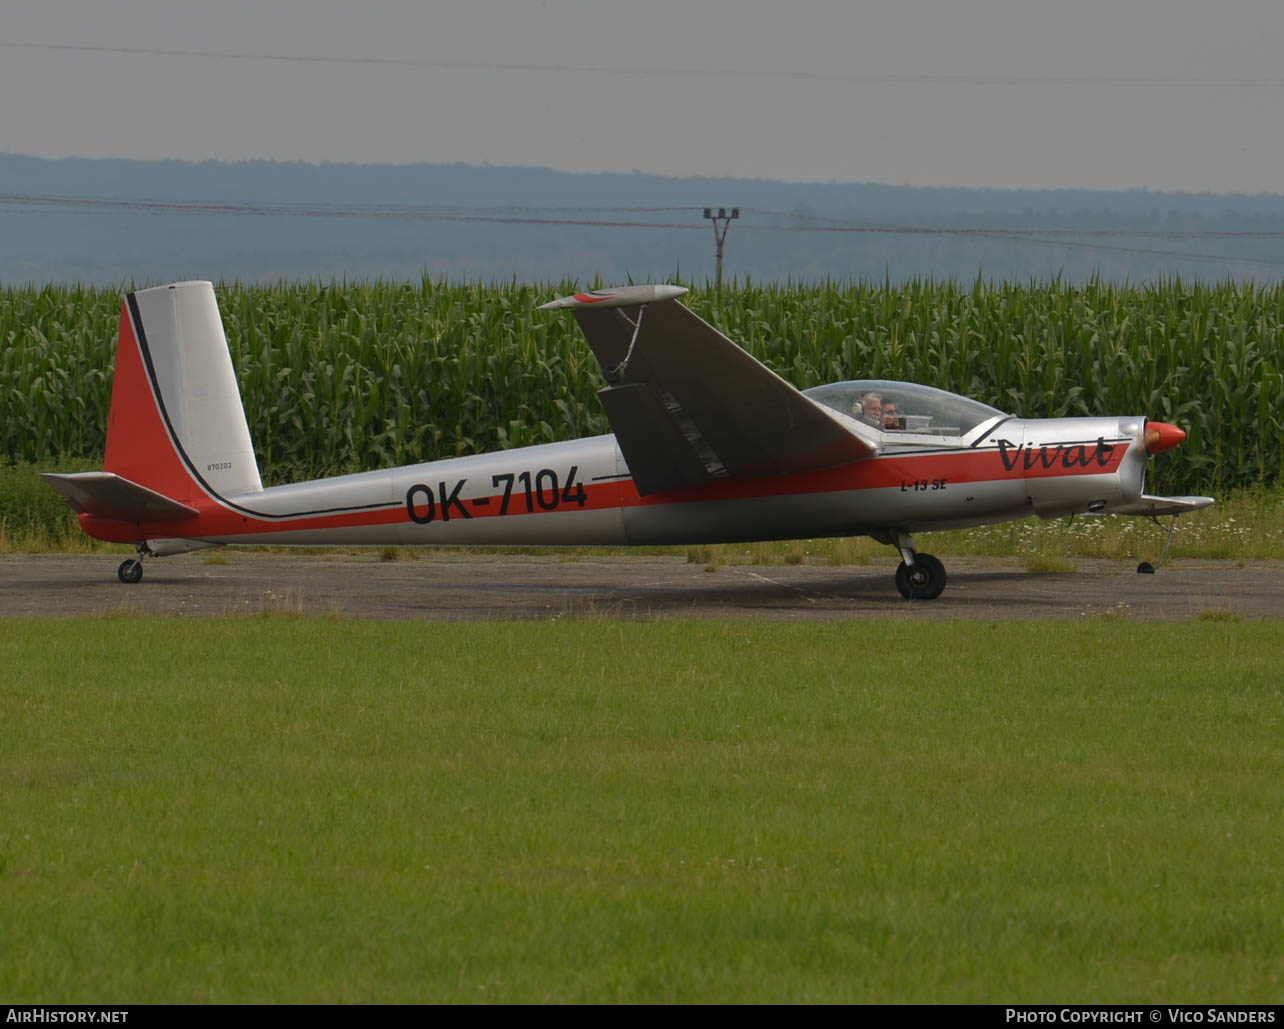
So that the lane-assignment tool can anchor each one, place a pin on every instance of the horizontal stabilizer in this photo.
(105, 495)
(1153, 507)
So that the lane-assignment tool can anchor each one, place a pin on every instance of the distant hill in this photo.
(115, 221)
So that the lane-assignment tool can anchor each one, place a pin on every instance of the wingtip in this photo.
(617, 296)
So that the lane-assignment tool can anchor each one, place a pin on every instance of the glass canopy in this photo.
(904, 406)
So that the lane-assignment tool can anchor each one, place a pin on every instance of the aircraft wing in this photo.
(106, 495)
(689, 406)
(1153, 507)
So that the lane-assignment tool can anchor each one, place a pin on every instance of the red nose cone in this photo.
(1160, 437)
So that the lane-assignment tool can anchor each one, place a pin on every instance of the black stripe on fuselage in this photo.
(977, 442)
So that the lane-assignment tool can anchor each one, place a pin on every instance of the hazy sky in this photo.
(1160, 94)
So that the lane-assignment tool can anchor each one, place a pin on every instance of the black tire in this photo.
(130, 571)
(902, 580)
(923, 581)
(1145, 568)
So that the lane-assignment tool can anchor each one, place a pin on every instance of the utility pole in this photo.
(720, 234)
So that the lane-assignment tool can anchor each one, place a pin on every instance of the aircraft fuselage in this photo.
(581, 493)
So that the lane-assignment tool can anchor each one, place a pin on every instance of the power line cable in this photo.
(324, 210)
(899, 78)
(1024, 237)
(1035, 236)
(829, 223)
(542, 214)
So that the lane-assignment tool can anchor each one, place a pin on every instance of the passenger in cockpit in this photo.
(891, 417)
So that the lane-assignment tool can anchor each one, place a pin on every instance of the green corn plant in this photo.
(343, 377)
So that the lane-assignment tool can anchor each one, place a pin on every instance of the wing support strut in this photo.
(618, 370)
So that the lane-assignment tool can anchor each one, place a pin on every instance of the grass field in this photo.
(285, 809)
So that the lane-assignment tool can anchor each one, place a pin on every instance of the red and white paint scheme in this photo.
(709, 446)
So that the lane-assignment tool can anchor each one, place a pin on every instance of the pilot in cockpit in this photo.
(891, 417)
(869, 408)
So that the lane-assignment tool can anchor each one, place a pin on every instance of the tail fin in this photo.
(176, 424)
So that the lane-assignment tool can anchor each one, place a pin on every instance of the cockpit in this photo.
(904, 407)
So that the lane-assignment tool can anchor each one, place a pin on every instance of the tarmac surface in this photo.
(446, 587)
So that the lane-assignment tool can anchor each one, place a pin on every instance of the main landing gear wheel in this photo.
(923, 580)
(130, 571)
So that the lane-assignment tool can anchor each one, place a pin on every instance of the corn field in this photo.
(346, 377)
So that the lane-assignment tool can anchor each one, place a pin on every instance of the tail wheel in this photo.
(923, 580)
(130, 571)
